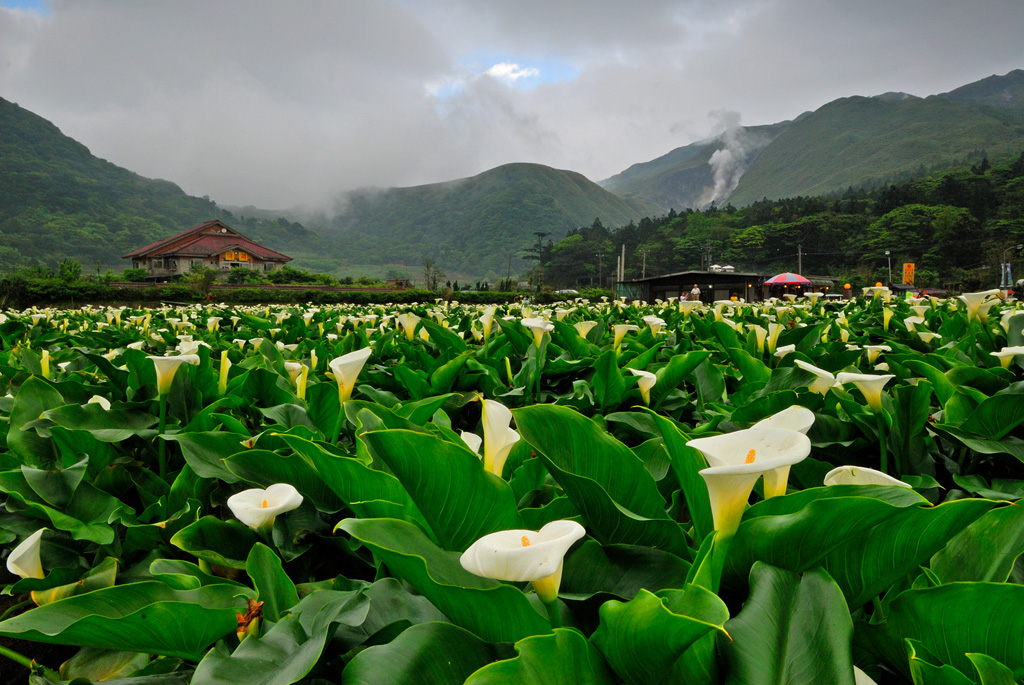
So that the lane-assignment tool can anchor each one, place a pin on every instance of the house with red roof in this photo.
(213, 244)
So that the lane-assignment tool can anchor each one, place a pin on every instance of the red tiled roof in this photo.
(210, 245)
(206, 244)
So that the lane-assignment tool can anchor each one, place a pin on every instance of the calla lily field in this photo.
(793, 491)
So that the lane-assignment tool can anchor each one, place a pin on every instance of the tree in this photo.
(432, 274)
(69, 271)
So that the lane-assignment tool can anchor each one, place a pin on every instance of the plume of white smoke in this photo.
(730, 161)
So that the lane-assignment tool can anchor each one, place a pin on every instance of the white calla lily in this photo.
(870, 386)
(860, 475)
(736, 460)
(1007, 355)
(620, 330)
(166, 367)
(498, 437)
(257, 508)
(346, 370)
(538, 327)
(823, 381)
(102, 401)
(525, 555)
(645, 383)
(24, 559)
(584, 327)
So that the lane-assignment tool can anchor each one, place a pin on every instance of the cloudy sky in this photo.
(278, 104)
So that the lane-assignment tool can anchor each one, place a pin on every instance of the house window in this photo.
(172, 263)
(158, 263)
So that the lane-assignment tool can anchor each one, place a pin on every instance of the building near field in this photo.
(212, 244)
(721, 284)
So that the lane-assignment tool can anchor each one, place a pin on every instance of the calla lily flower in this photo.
(646, 382)
(886, 317)
(346, 370)
(784, 350)
(293, 369)
(978, 303)
(738, 459)
(498, 437)
(875, 350)
(656, 323)
(1007, 354)
(408, 321)
(794, 418)
(166, 367)
(102, 401)
(584, 327)
(538, 327)
(257, 508)
(24, 559)
(213, 323)
(487, 321)
(760, 334)
(620, 330)
(774, 329)
(860, 475)
(824, 380)
(525, 555)
(928, 336)
(686, 306)
(870, 386)
(472, 440)
(911, 322)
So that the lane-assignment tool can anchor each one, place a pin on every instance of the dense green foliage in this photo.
(955, 226)
(335, 495)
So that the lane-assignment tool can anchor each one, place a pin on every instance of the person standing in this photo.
(695, 293)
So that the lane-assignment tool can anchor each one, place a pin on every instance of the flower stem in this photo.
(337, 424)
(161, 447)
(30, 664)
(553, 617)
(11, 609)
(880, 422)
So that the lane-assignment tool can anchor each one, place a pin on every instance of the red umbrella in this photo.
(787, 278)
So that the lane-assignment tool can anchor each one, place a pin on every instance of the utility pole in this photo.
(600, 270)
(889, 259)
(800, 259)
(622, 264)
(644, 270)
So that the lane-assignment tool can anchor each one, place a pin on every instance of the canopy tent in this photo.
(787, 278)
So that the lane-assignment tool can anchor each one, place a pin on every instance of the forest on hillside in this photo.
(955, 226)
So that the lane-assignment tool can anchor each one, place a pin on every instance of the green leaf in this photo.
(996, 416)
(368, 492)
(619, 570)
(148, 617)
(427, 653)
(990, 671)
(460, 500)
(264, 468)
(687, 464)
(113, 425)
(564, 657)
(792, 629)
(953, 620)
(102, 664)
(87, 516)
(206, 452)
(609, 386)
(643, 637)
(290, 649)
(924, 672)
(494, 611)
(273, 586)
(678, 368)
(227, 543)
(55, 487)
(984, 550)
(864, 542)
(34, 397)
(578, 445)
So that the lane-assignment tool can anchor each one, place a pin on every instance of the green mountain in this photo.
(861, 141)
(58, 201)
(474, 225)
(851, 142)
(694, 175)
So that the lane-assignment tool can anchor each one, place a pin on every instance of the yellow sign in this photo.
(908, 274)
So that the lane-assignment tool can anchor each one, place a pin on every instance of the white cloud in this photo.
(257, 102)
(512, 72)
